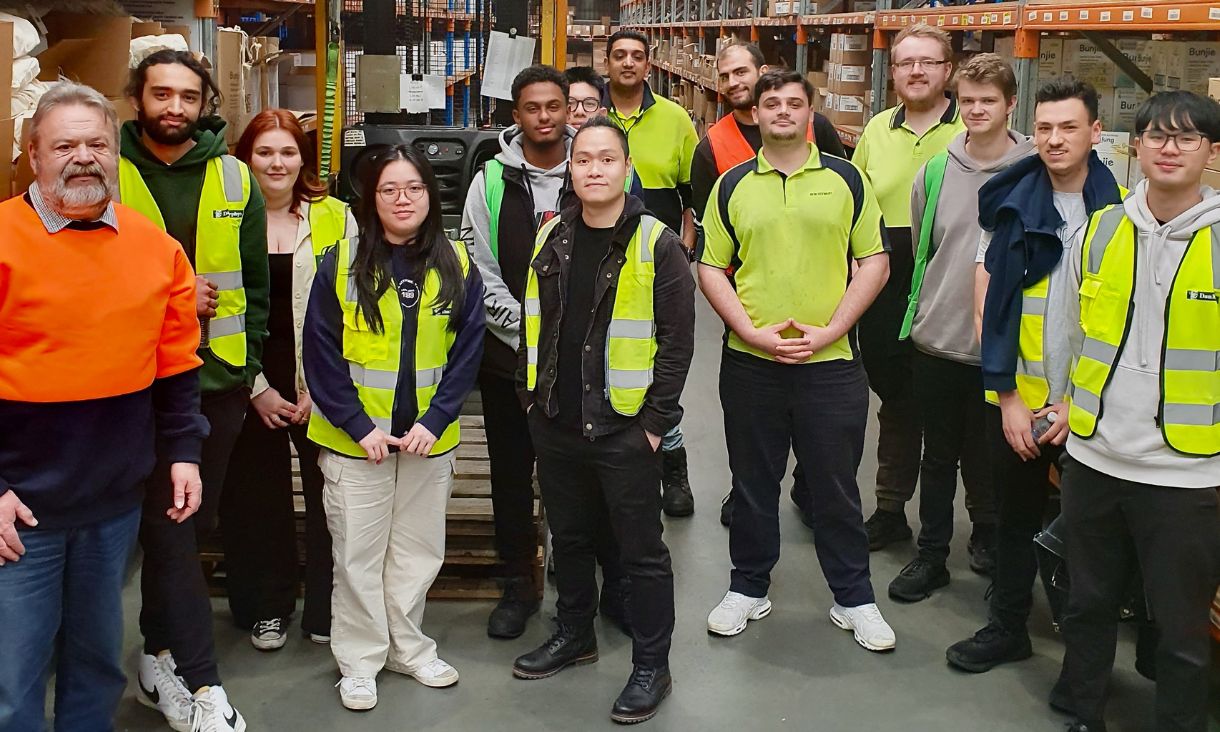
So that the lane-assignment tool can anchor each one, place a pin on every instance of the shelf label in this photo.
(1033, 15)
(1047, 17)
(995, 18)
(1084, 15)
(957, 20)
(940, 21)
(1007, 18)
(1146, 13)
(1175, 14)
(1128, 16)
(1213, 13)
(1063, 15)
(969, 20)
(1105, 16)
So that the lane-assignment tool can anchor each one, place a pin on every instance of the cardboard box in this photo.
(1184, 65)
(1050, 58)
(89, 49)
(1126, 102)
(1140, 53)
(849, 42)
(1213, 88)
(845, 109)
(777, 8)
(1085, 62)
(230, 76)
(850, 79)
(1115, 151)
(821, 79)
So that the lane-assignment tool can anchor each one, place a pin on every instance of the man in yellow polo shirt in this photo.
(790, 373)
(893, 147)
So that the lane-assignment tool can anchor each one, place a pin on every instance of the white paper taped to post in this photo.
(419, 93)
(506, 57)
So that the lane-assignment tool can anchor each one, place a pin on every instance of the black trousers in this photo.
(952, 408)
(258, 524)
(818, 411)
(1022, 491)
(177, 613)
(1174, 534)
(585, 483)
(890, 375)
(511, 453)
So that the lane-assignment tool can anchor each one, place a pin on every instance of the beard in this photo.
(166, 135)
(785, 136)
(743, 104)
(81, 199)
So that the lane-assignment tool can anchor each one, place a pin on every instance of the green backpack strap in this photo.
(493, 184)
(933, 178)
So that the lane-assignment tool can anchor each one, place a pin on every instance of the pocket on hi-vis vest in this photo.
(1100, 306)
(361, 345)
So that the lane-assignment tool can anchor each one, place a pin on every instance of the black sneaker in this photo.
(885, 528)
(988, 648)
(982, 549)
(1145, 650)
(726, 509)
(917, 580)
(517, 603)
(269, 635)
(567, 646)
(615, 604)
(642, 695)
(1061, 699)
(1082, 725)
(677, 499)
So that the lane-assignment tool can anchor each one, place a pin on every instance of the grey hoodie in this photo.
(944, 323)
(503, 309)
(1128, 443)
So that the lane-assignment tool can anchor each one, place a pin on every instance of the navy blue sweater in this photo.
(1018, 207)
(326, 371)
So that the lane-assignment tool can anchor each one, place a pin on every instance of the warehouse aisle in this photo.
(793, 670)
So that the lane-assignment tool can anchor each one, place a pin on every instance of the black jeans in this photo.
(888, 363)
(582, 481)
(1174, 534)
(1022, 489)
(258, 524)
(951, 406)
(818, 411)
(511, 453)
(177, 613)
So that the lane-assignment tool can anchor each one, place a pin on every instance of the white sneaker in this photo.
(319, 638)
(211, 712)
(161, 689)
(269, 635)
(866, 623)
(435, 673)
(358, 693)
(734, 611)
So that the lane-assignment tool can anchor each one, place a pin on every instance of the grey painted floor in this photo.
(791, 671)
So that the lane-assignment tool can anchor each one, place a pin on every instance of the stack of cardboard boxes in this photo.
(848, 79)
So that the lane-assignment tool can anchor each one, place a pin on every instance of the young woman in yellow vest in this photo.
(392, 343)
(257, 505)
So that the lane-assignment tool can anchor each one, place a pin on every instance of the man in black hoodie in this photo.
(175, 169)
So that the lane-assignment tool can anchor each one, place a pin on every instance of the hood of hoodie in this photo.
(209, 143)
(957, 154)
(545, 185)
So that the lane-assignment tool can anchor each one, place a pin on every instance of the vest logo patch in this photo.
(1202, 295)
(227, 214)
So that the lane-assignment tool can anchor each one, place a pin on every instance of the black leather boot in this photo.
(615, 604)
(517, 604)
(675, 483)
(642, 695)
(566, 647)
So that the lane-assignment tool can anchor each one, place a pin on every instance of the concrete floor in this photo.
(793, 670)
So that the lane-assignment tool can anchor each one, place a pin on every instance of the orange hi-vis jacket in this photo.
(91, 314)
(730, 147)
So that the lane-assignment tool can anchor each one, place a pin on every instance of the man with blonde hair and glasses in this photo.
(893, 147)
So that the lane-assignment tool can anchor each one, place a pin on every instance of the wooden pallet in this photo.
(471, 565)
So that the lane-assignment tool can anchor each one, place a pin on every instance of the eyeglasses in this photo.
(589, 104)
(413, 191)
(1186, 141)
(922, 62)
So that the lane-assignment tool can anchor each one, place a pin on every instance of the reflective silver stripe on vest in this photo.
(1098, 351)
(1106, 226)
(531, 354)
(383, 424)
(230, 169)
(647, 224)
(1033, 305)
(372, 378)
(352, 293)
(622, 328)
(428, 377)
(1197, 415)
(1030, 367)
(533, 306)
(1186, 359)
(232, 325)
(1086, 400)
(224, 280)
(627, 379)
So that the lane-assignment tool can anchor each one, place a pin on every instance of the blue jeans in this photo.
(63, 601)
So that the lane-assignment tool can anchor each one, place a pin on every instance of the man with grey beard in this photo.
(98, 379)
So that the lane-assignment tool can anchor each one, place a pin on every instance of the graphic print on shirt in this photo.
(409, 293)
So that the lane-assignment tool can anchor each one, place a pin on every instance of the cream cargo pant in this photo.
(387, 523)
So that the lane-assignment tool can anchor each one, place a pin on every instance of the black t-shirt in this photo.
(589, 249)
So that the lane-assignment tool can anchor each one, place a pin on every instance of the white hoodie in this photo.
(1128, 443)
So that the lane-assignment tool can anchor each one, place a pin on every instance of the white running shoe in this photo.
(734, 611)
(269, 635)
(319, 638)
(435, 673)
(358, 693)
(866, 623)
(211, 712)
(161, 689)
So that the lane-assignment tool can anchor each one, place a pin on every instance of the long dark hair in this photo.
(372, 266)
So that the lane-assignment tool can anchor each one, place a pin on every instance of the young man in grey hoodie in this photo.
(1143, 465)
(947, 376)
(508, 200)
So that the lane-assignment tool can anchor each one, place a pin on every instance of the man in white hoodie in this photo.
(1143, 467)
(513, 195)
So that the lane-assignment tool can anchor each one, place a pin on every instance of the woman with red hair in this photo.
(257, 513)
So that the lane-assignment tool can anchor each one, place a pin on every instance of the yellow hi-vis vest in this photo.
(327, 224)
(631, 341)
(373, 359)
(1189, 412)
(222, 204)
(1032, 385)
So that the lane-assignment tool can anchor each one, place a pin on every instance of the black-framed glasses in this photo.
(926, 63)
(1157, 139)
(413, 191)
(589, 104)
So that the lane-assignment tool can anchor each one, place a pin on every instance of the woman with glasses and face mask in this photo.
(392, 344)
